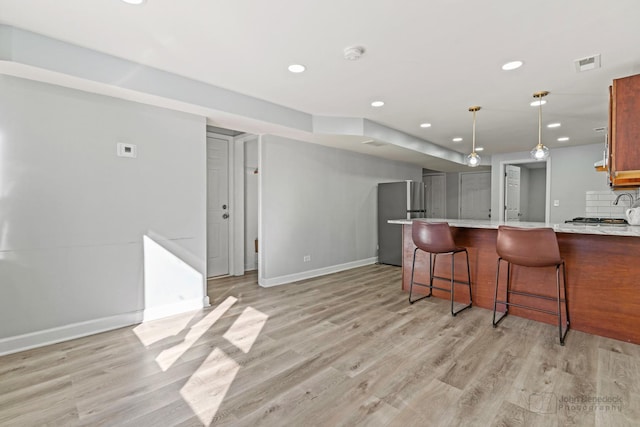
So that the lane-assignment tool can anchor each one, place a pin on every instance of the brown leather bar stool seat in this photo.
(531, 247)
(436, 239)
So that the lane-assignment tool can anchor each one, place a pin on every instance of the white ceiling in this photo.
(427, 60)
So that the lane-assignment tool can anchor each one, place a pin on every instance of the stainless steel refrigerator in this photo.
(397, 200)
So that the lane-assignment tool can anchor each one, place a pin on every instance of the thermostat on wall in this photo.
(127, 150)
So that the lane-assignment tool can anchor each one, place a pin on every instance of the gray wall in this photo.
(319, 201)
(572, 174)
(73, 215)
(250, 203)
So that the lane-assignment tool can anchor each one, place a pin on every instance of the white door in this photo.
(475, 195)
(512, 193)
(435, 195)
(217, 206)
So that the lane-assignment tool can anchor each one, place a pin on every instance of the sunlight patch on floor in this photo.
(206, 388)
(245, 330)
(168, 357)
(155, 331)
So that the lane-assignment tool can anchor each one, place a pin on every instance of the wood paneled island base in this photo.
(603, 279)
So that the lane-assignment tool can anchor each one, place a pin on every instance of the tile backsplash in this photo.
(600, 203)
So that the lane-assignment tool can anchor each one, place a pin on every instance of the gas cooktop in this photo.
(596, 221)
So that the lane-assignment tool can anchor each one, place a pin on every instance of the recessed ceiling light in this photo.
(457, 139)
(425, 125)
(479, 148)
(353, 53)
(563, 138)
(512, 65)
(377, 103)
(297, 68)
(553, 125)
(538, 103)
(134, 1)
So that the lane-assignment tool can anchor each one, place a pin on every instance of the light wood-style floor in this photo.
(343, 349)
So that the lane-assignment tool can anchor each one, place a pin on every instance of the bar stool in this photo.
(436, 239)
(533, 247)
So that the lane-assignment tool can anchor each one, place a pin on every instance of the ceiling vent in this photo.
(588, 63)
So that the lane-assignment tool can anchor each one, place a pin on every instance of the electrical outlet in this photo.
(307, 258)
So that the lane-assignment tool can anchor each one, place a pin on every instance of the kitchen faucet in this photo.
(631, 199)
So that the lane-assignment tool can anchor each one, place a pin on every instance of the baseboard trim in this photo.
(59, 334)
(68, 332)
(282, 280)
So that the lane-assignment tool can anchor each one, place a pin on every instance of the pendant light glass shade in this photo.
(473, 159)
(540, 152)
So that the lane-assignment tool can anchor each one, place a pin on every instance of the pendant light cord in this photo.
(473, 139)
(539, 152)
(540, 121)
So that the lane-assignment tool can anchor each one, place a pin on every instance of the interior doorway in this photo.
(512, 208)
(530, 201)
(227, 215)
(218, 209)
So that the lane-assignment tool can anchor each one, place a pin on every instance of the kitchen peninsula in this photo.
(603, 272)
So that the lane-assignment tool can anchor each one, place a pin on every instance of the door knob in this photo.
(225, 215)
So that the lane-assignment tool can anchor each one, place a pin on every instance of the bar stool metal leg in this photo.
(566, 310)
(564, 283)
(432, 270)
(413, 268)
(495, 297)
(469, 277)
(453, 285)
(453, 282)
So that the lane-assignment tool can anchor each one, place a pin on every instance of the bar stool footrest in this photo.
(528, 307)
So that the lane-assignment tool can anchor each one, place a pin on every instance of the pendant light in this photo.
(473, 159)
(540, 152)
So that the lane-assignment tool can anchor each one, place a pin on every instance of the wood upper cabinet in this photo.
(624, 132)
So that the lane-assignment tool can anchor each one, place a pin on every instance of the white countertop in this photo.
(602, 229)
